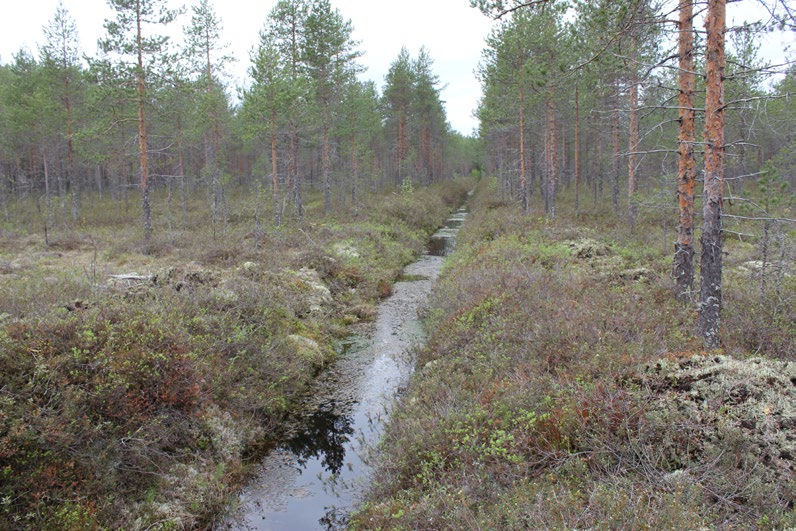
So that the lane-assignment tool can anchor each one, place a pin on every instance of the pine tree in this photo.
(359, 127)
(686, 168)
(507, 65)
(60, 56)
(206, 63)
(430, 113)
(710, 294)
(138, 55)
(30, 110)
(286, 27)
(397, 100)
(329, 54)
(267, 105)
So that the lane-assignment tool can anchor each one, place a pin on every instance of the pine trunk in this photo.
(181, 173)
(355, 176)
(633, 139)
(523, 164)
(683, 268)
(577, 149)
(713, 195)
(47, 199)
(142, 140)
(274, 174)
(72, 182)
(298, 200)
(325, 163)
(615, 167)
(551, 120)
(544, 185)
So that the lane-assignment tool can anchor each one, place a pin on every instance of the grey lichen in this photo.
(731, 420)
(586, 248)
(318, 295)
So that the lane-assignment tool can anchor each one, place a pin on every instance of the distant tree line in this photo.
(144, 115)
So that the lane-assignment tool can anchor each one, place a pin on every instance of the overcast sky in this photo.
(452, 31)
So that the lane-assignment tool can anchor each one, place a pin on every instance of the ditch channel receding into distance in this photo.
(317, 475)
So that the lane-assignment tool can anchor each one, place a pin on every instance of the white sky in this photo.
(452, 31)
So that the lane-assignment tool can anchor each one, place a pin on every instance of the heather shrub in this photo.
(563, 387)
(117, 369)
(137, 379)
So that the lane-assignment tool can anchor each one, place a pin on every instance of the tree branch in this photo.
(747, 218)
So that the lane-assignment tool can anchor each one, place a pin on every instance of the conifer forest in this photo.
(302, 299)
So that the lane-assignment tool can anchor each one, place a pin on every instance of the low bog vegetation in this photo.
(564, 388)
(136, 379)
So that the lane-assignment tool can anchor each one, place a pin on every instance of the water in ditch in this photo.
(315, 478)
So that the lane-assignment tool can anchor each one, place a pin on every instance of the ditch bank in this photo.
(562, 387)
(136, 397)
(315, 477)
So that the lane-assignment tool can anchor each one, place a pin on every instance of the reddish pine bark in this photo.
(274, 174)
(523, 164)
(633, 139)
(713, 194)
(70, 149)
(142, 140)
(181, 172)
(615, 159)
(326, 165)
(577, 149)
(551, 118)
(683, 268)
(402, 149)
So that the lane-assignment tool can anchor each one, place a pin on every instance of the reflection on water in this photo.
(443, 242)
(324, 436)
(313, 479)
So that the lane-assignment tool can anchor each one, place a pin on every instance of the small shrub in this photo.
(538, 403)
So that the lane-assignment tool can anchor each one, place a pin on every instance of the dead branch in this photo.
(749, 218)
(132, 276)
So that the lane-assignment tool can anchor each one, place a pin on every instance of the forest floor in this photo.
(563, 387)
(139, 379)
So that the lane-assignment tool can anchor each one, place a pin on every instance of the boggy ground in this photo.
(564, 388)
(137, 378)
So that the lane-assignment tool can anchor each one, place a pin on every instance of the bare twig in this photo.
(749, 218)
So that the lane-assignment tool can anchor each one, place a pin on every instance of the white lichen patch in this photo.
(226, 293)
(345, 250)
(315, 291)
(733, 415)
(251, 270)
(307, 349)
(756, 268)
(250, 266)
(586, 248)
(227, 435)
(638, 274)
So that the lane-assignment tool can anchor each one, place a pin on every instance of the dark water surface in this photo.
(313, 480)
